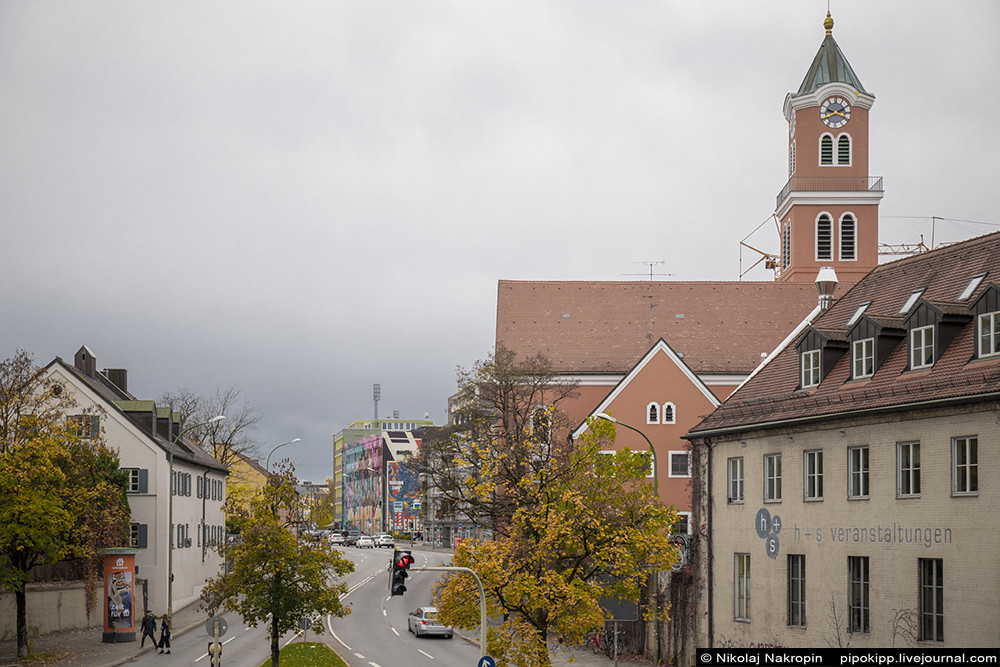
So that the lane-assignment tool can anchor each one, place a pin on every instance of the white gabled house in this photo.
(143, 435)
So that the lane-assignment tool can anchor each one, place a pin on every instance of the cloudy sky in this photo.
(303, 199)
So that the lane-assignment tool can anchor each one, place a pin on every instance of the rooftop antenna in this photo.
(651, 264)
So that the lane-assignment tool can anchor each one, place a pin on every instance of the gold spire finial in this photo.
(828, 24)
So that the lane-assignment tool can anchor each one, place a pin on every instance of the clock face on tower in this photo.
(835, 112)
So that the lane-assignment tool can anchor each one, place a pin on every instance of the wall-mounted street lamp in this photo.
(170, 513)
(652, 452)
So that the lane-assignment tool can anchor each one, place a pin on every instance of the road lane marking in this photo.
(427, 654)
(340, 640)
(359, 656)
(396, 631)
(373, 664)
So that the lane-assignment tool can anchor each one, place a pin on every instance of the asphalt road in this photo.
(374, 634)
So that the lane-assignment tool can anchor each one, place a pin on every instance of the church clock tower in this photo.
(828, 210)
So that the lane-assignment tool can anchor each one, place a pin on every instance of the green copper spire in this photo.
(829, 66)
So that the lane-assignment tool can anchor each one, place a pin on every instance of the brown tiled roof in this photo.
(771, 396)
(603, 327)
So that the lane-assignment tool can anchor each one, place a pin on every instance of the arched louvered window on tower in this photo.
(786, 245)
(791, 159)
(653, 413)
(848, 237)
(824, 237)
(844, 150)
(826, 150)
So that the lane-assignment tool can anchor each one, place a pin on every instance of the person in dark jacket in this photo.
(148, 627)
(165, 634)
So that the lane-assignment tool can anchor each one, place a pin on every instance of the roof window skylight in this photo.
(858, 313)
(971, 287)
(912, 300)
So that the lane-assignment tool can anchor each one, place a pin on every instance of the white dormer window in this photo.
(864, 358)
(810, 369)
(922, 347)
(916, 294)
(653, 413)
(669, 416)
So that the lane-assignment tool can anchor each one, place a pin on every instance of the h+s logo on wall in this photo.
(768, 527)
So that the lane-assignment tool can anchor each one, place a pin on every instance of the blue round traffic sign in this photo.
(487, 661)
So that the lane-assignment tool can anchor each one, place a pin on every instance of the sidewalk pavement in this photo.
(84, 648)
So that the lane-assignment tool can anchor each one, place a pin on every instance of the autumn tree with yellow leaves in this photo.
(270, 575)
(571, 525)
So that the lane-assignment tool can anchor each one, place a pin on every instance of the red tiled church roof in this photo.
(773, 396)
(604, 327)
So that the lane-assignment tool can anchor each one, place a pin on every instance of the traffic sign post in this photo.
(215, 627)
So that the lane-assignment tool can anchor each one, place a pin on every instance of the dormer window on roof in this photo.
(819, 351)
(922, 347)
(986, 310)
(872, 340)
(971, 287)
(916, 294)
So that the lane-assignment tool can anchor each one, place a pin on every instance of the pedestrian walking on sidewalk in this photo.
(148, 628)
(165, 634)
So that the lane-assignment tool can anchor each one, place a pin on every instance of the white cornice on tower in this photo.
(815, 98)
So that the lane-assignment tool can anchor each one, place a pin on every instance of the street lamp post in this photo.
(656, 491)
(170, 513)
(267, 463)
(652, 452)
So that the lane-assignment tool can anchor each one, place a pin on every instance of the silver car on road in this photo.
(423, 622)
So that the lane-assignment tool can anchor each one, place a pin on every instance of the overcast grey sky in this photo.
(306, 198)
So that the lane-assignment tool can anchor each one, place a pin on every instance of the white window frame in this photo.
(826, 219)
(772, 478)
(812, 474)
(796, 590)
(919, 349)
(810, 362)
(673, 413)
(908, 472)
(858, 472)
(863, 358)
(850, 150)
(833, 150)
(931, 599)
(965, 465)
(686, 517)
(853, 243)
(132, 486)
(991, 336)
(741, 586)
(734, 480)
(670, 458)
(650, 419)
(858, 595)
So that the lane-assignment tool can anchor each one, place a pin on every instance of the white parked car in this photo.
(365, 542)
(385, 540)
(336, 538)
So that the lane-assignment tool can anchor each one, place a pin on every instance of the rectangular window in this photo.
(922, 347)
(810, 369)
(683, 524)
(965, 466)
(772, 477)
(908, 466)
(989, 334)
(87, 427)
(132, 484)
(680, 464)
(858, 594)
(813, 475)
(864, 358)
(735, 479)
(797, 590)
(138, 535)
(932, 599)
(742, 587)
(857, 472)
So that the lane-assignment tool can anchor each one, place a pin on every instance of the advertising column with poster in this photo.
(404, 491)
(119, 595)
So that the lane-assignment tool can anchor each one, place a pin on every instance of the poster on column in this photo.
(119, 597)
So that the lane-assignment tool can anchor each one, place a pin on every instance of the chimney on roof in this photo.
(85, 362)
(118, 377)
(826, 283)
